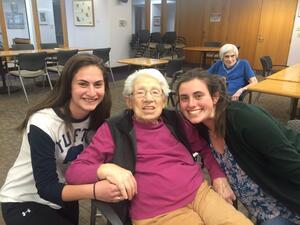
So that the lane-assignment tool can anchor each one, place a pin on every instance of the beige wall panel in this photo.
(275, 30)
(216, 20)
(243, 26)
(189, 24)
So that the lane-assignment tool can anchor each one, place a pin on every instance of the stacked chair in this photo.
(62, 58)
(103, 54)
(30, 65)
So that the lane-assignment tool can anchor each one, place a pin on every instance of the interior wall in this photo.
(294, 53)
(120, 30)
(112, 28)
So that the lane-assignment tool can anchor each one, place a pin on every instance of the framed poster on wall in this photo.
(83, 12)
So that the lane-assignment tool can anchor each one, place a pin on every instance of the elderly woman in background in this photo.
(237, 72)
(145, 152)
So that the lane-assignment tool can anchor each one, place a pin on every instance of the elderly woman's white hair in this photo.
(226, 48)
(156, 74)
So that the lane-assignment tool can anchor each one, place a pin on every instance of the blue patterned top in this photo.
(259, 204)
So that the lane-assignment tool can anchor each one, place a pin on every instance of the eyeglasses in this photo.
(155, 93)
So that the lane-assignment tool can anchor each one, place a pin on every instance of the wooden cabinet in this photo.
(259, 27)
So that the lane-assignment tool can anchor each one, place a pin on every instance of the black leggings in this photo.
(32, 213)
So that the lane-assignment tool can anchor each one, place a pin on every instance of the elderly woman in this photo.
(146, 154)
(237, 72)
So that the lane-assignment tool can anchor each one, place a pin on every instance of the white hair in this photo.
(227, 48)
(154, 73)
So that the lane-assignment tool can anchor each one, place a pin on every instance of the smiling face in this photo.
(229, 59)
(88, 90)
(147, 100)
(195, 101)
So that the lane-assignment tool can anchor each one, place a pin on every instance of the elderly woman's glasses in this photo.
(155, 93)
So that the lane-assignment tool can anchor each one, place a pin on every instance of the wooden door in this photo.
(275, 30)
(243, 26)
(189, 24)
(216, 20)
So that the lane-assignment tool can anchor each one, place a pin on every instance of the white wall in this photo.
(294, 54)
(107, 31)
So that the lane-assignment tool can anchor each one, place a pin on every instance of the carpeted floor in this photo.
(13, 108)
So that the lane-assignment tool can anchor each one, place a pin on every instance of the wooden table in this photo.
(13, 53)
(291, 74)
(278, 87)
(203, 51)
(143, 62)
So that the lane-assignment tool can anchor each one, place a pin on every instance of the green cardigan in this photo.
(266, 150)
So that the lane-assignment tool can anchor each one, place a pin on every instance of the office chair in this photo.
(294, 124)
(30, 65)
(169, 41)
(21, 41)
(106, 211)
(103, 53)
(268, 66)
(52, 58)
(210, 55)
(22, 47)
(155, 39)
(62, 58)
(49, 45)
(268, 69)
(172, 72)
(143, 40)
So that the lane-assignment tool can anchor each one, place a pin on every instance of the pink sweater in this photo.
(166, 174)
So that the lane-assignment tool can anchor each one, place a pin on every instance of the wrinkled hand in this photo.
(119, 176)
(223, 188)
(107, 192)
(237, 94)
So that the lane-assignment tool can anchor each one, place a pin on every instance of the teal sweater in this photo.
(266, 150)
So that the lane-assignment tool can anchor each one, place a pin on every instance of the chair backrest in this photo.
(144, 36)
(63, 56)
(169, 37)
(212, 44)
(267, 65)
(102, 53)
(155, 37)
(32, 61)
(294, 124)
(49, 45)
(173, 66)
(22, 47)
(21, 41)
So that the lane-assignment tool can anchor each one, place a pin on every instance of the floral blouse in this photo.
(259, 204)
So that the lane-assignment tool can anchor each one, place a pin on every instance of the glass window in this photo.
(16, 20)
(138, 15)
(155, 21)
(49, 15)
(1, 39)
(171, 13)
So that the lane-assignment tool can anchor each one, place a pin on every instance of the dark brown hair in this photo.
(215, 85)
(60, 96)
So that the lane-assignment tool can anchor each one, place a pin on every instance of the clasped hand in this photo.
(119, 176)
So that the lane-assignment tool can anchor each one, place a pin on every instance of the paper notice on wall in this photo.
(215, 17)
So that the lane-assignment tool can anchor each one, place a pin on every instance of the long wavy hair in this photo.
(60, 96)
(216, 86)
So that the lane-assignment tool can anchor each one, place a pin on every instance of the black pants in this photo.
(32, 213)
